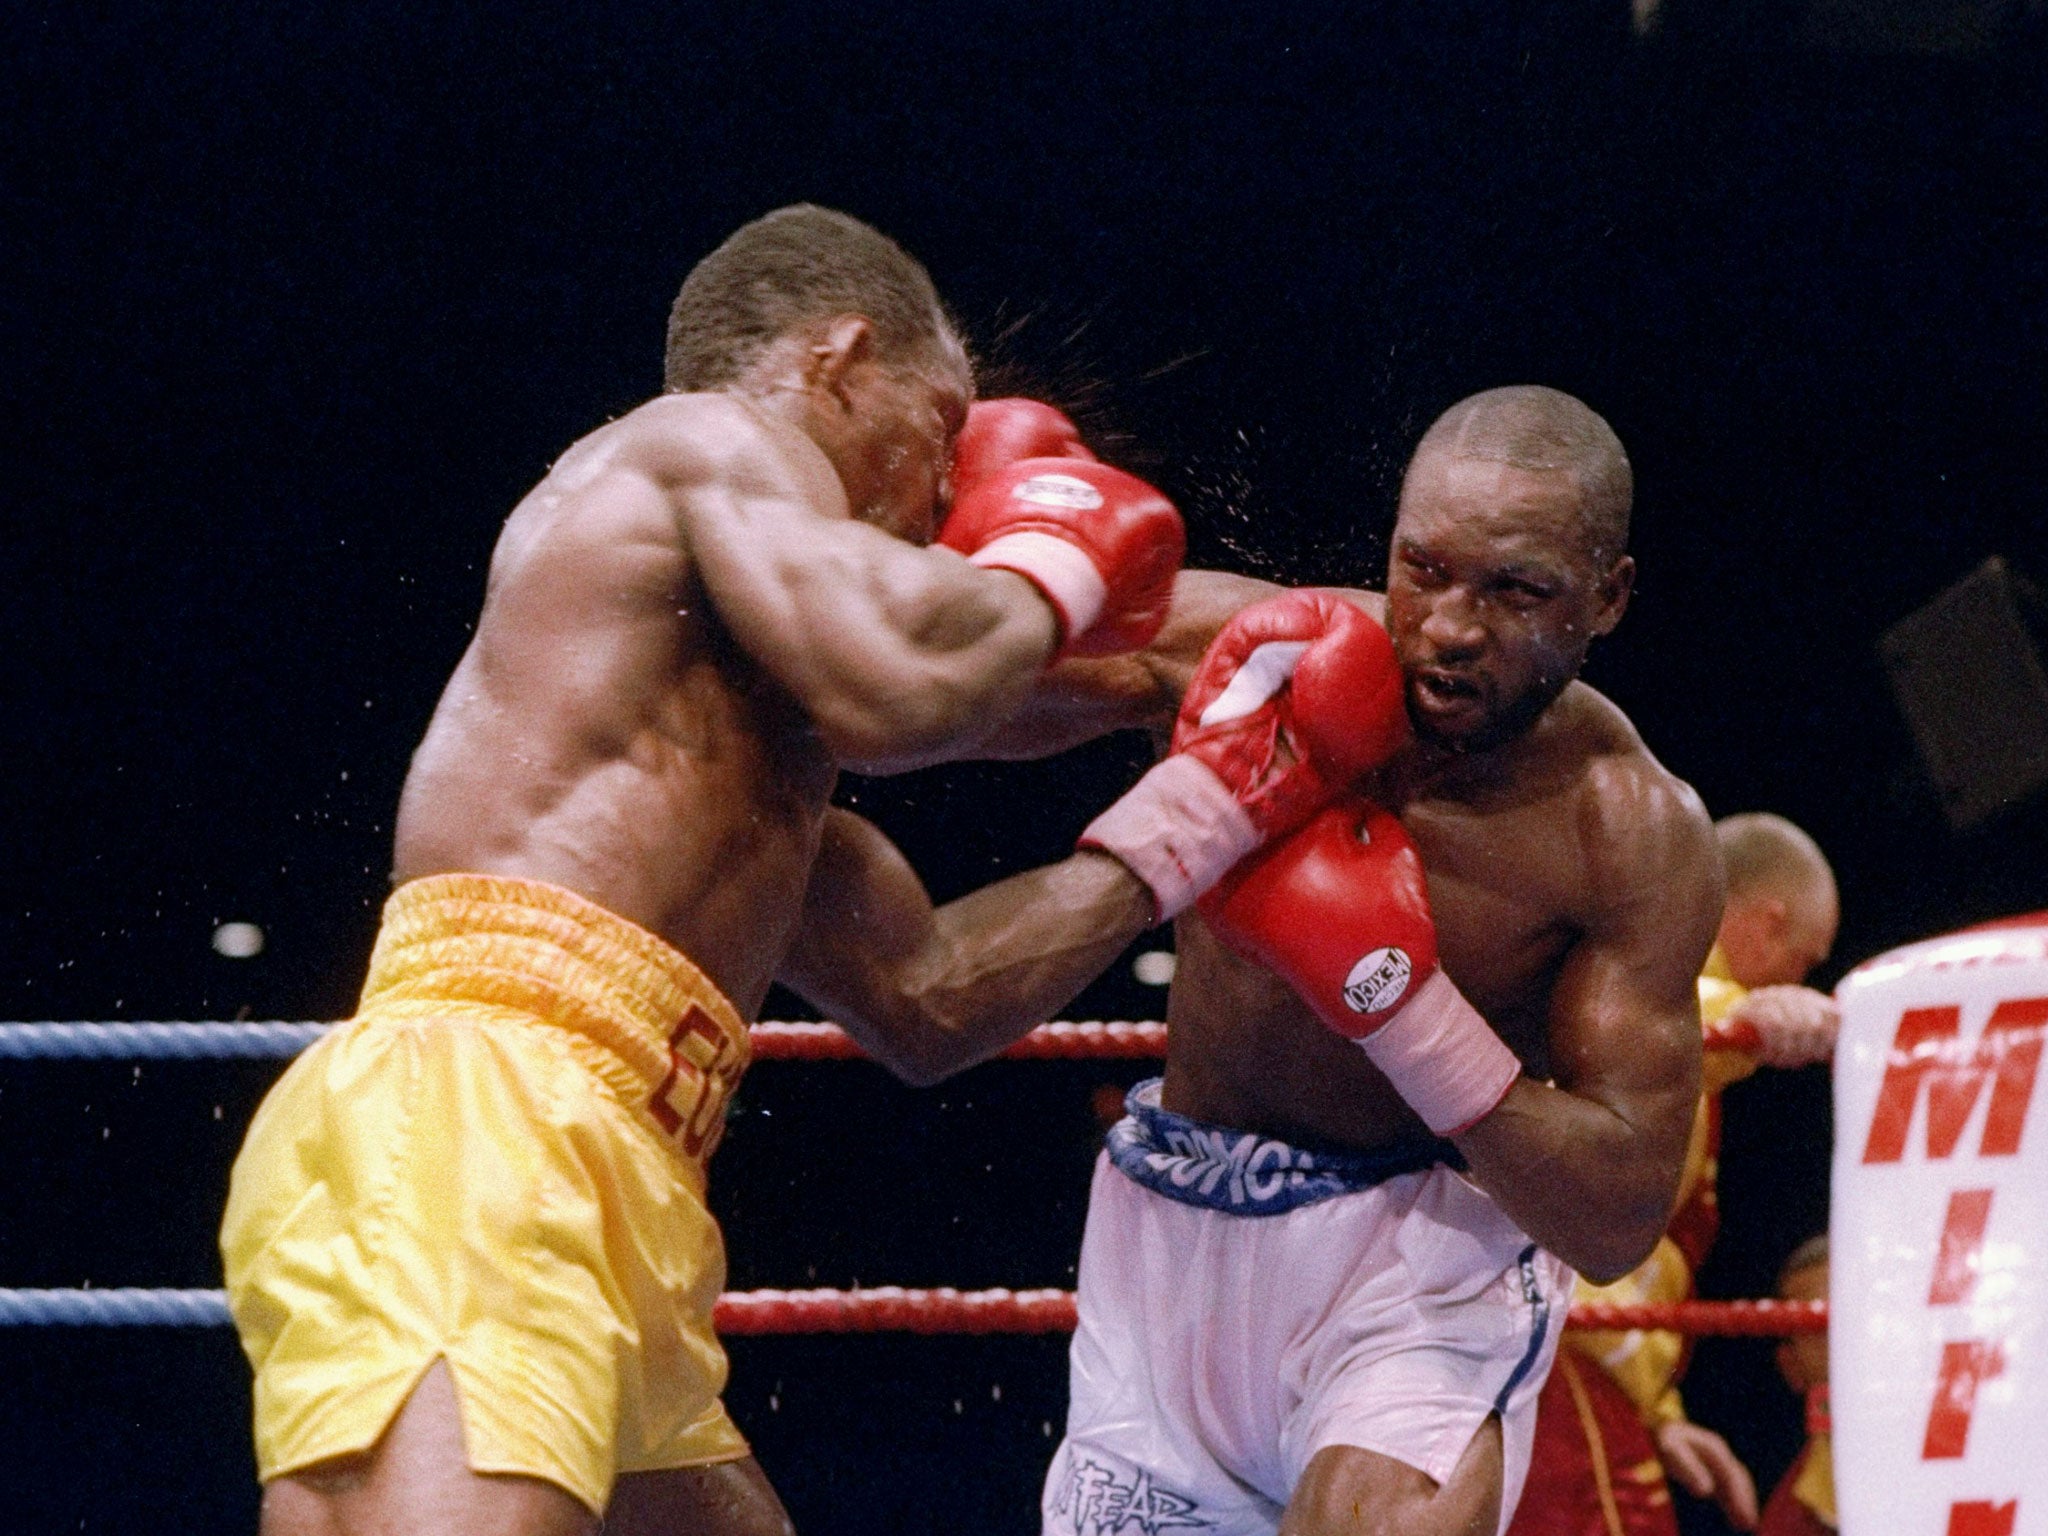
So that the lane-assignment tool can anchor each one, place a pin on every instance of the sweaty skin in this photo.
(686, 634)
(1573, 883)
(705, 610)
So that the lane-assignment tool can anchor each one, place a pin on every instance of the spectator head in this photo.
(1782, 909)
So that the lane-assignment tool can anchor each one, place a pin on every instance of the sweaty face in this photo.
(1493, 596)
(911, 413)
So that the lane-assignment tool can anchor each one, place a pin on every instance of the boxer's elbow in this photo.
(912, 1044)
(918, 1071)
(925, 1058)
(1605, 1257)
(875, 739)
(1605, 1251)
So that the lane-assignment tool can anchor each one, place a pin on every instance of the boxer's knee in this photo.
(729, 1498)
(1347, 1491)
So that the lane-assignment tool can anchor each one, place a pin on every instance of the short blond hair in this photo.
(1762, 852)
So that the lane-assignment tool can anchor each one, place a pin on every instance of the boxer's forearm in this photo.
(1081, 699)
(1582, 1179)
(1008, 957)
(928, 992)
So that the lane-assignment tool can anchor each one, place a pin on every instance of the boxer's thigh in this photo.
(727, 1498)
(417, 1478)
(1357, 1492)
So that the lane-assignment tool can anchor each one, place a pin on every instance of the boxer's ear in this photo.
(1613, 595)
(841, 348)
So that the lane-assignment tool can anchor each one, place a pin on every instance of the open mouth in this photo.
(1446, 692)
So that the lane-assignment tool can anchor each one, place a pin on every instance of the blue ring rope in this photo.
(124, 1307)
(155, 1042)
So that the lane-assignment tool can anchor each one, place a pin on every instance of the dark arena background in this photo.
(301, 297)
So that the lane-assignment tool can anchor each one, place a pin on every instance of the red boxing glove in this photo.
(1340, 911)
(1103, 546)
(1000, 432)
(1305, 669)
(1295, 697)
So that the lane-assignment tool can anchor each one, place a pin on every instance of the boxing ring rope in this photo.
(1101, 1040)
(884, 1309)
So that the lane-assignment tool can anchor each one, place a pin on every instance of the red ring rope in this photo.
(891, 1309)
(1101, 1041)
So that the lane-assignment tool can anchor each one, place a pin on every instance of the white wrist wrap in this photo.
(1179, 829)
(1062, 571)
(1441, 1057)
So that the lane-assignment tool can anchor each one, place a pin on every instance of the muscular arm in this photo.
(1080, 700)
(896, 652)
(1589, 1167)
(929, 991)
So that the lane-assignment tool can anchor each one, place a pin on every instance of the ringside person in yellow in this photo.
(466, 1243)
(1610, 1425)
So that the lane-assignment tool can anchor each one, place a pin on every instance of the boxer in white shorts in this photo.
(1351, 1364)
(1366, 1361)
(1412, 1310)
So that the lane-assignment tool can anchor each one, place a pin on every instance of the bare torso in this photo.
(1510, 879)
(1522, 859)
(605, 733)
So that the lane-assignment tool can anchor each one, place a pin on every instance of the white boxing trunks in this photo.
(1245, 1303)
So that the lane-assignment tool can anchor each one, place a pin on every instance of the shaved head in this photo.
(1783, 909)
(1531, 427)
(1763, 853)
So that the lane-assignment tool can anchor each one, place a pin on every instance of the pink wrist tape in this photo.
(1442, 1057)
(1178, 830)
(1062, 571)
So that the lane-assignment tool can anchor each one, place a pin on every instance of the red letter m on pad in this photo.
(1926, 1049)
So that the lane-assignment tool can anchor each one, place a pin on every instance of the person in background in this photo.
(1804, 1502)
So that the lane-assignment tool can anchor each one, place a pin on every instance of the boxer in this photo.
(1611, 1424)
(1321, 1284)
(466, 1244)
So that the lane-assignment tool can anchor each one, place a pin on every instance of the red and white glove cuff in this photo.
(1178, 829)
(1443, 1058)
(1060, 570)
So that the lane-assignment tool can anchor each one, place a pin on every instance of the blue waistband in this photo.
(1244, 1172)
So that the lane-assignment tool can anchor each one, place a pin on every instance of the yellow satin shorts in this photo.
(499, 1162)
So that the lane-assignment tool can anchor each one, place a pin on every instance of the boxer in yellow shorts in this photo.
(466, 1244)
(515, 1044)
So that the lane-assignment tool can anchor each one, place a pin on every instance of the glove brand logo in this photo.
(1059, 491)
(1377, 981)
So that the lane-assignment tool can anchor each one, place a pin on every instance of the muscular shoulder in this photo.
(1643, 832)
(634, 482)
(1203, 602)
(710, 437)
